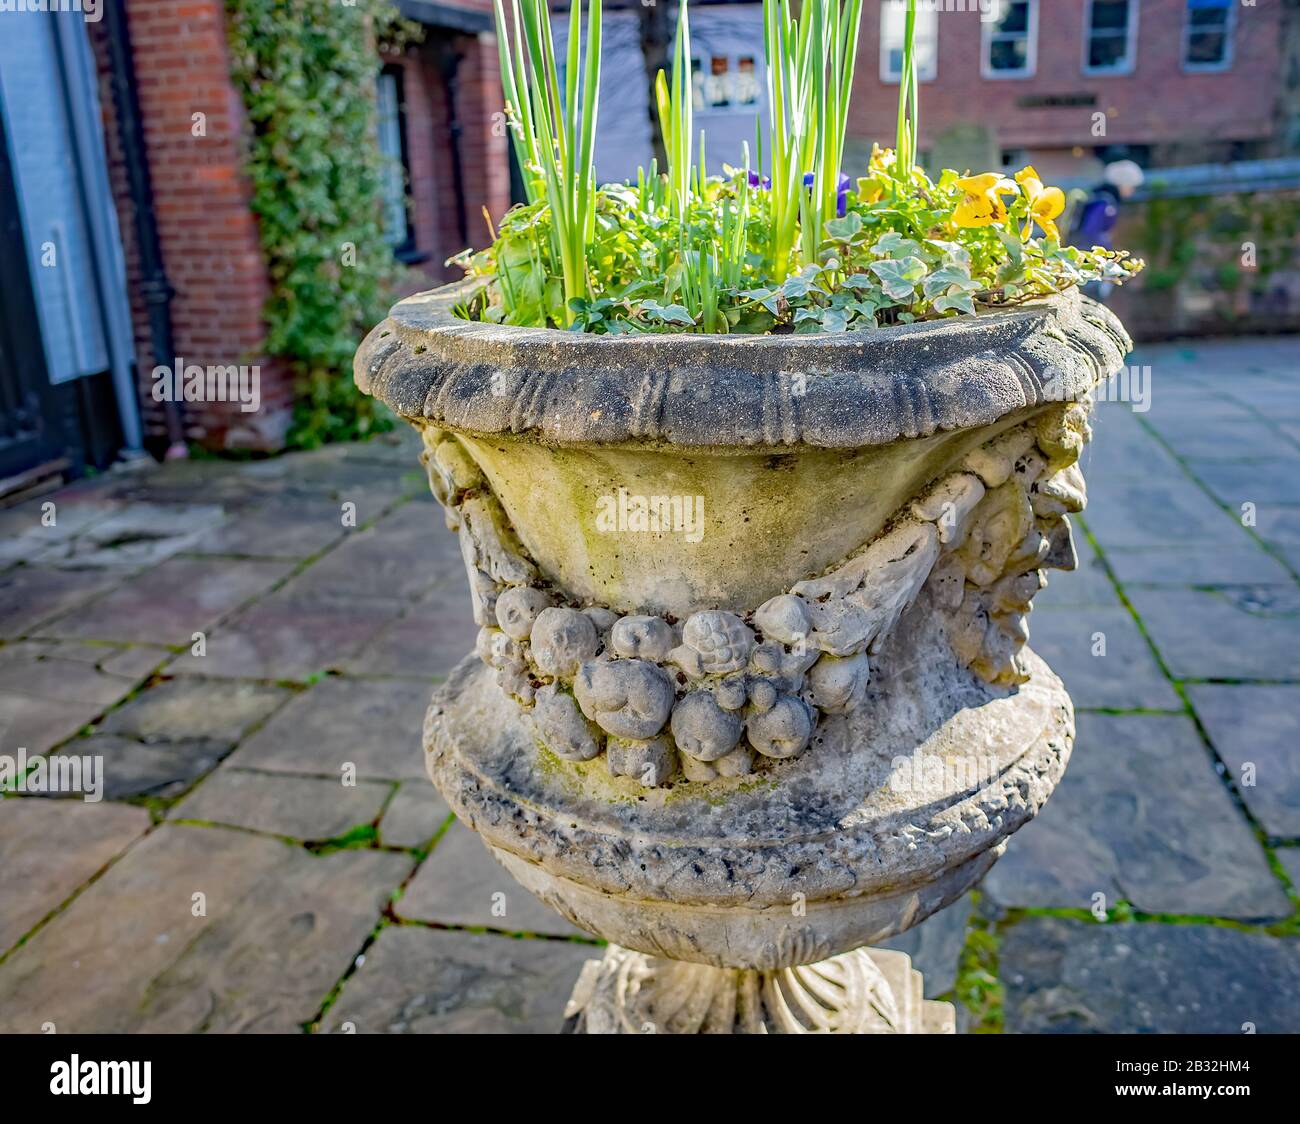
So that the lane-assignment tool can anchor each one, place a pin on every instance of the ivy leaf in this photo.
(864, 315)
(861, 281)
(795, 288)
(895, 245)
(953, 253)
(668, 313)
(845, 229)
(961, 301)
(834, 320)
(769, 298)
(899, 278)
(941, 281)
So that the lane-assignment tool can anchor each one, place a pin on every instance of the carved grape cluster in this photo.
(704, 695)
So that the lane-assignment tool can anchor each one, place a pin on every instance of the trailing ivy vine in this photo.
(306, 71)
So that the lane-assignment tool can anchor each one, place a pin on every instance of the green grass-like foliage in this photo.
(306, 71)
(787, 244)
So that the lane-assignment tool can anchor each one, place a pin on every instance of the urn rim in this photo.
(840, 391)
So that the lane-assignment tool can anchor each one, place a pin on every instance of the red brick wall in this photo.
(484, 150)
(1158, 103)
(209, 235)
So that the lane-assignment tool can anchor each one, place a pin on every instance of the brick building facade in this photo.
(1174, 82)
(448, 88)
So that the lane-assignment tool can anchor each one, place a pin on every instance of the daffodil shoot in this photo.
(787, 241)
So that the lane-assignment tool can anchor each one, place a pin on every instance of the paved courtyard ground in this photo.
(234, 652)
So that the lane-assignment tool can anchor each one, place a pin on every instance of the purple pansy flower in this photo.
(841, 194)
(761, 182)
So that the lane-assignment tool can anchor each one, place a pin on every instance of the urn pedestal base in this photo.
(749, 904)
(866, 991)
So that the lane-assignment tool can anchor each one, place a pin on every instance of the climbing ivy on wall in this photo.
(306, 71)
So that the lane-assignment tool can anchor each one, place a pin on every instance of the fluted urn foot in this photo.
(866, 991)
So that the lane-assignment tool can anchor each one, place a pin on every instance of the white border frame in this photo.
(1230, 34)
(888, 79)
(1131, 43)
(1031, 49)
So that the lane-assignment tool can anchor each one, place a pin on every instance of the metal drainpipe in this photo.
(154, 285)
(449, 62)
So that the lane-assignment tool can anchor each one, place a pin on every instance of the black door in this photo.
(32, 425)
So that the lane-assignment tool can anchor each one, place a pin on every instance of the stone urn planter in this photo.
(752, 688)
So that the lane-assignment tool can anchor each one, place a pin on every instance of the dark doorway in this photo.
(31, 431)
(45, 430)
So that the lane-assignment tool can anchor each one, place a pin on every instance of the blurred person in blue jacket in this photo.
(1098, 216)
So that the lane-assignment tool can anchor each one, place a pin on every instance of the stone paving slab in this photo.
(1290, 857)
(1088, 585)
(1240, 633)
(461, 884)
(311, 809)
(171, 602)
(1260, 726)
(129, 954)
(225, 483)
(1279, 526)
(414, 815)
(30, 596)
(388, 560)
(372, 724)
(1261, 481)
(1140, 816)
(74, 672)
(278, 527)
(133, 768)
(1142, 510)
(417, 980)
(1070, 977)
(1273, 400)
(329, 473)
(1102, 657)
(1213, 437)
(1280, 523)
(184, 709)
(284, 637)
(136, 535)
(38, 725)
(50, 848)
(1243, 563)
(428, 641)
(26, 533)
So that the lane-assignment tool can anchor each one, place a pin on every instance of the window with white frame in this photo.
(893, 26)
(1110, 37)
(1207, 35)
(391, 132)
(1011, 39)
(725, 82)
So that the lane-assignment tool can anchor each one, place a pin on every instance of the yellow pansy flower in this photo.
(869, 190)
(1045, 203)
(983, 204)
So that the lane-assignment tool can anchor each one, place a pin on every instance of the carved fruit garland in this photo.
(704, 695)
